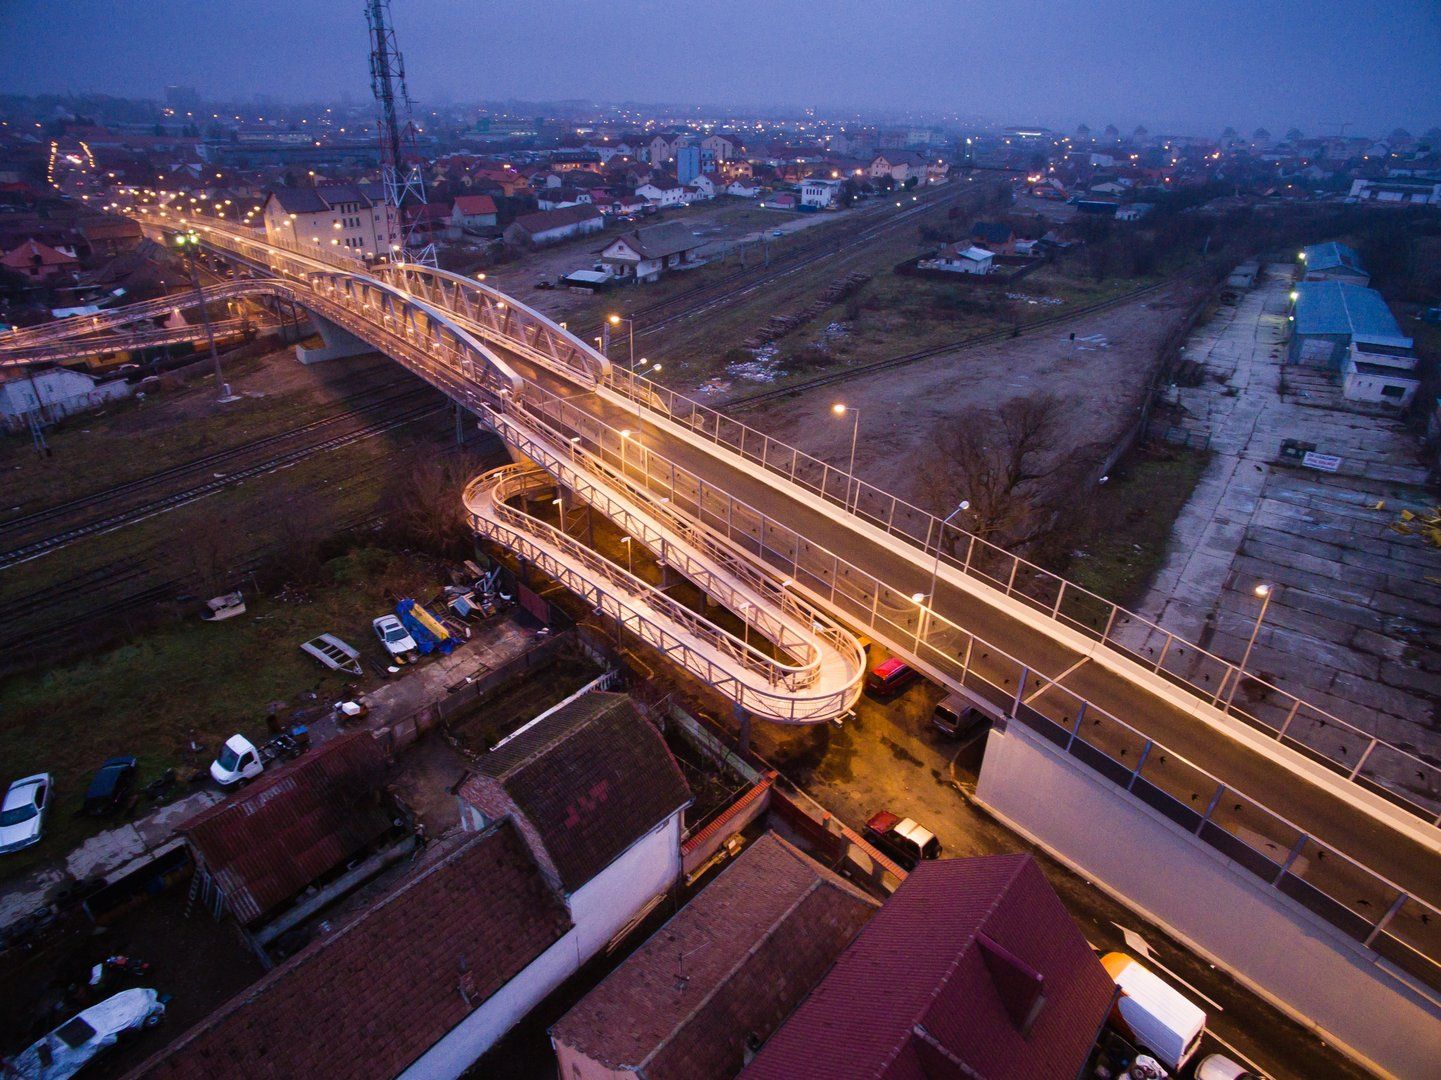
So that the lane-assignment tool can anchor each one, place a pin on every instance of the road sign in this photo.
(1324, 462)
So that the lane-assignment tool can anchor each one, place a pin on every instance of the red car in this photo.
(902, 839)
(890, 677)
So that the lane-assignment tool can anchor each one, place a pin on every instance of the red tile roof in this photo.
(972, 968)
(474, 205)
(33, 253)
(590, 779)
(268, 842)
(732, 964)
(369, 999)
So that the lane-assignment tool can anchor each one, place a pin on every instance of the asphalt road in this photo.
(1339, 823)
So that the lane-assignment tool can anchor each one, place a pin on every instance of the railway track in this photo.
(749, 401)
(60, 511)
(109, 523)
(663, 313)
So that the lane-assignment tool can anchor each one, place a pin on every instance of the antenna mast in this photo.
(400, 173)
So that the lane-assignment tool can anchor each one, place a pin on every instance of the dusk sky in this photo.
(1191, 67)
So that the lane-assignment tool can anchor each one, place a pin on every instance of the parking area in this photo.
(1354, 624)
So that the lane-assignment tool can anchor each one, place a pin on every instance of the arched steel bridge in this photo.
(801, 551)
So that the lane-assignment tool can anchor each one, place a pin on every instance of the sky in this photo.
(1186, 66)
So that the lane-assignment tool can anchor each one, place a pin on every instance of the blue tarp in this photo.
(425, 641)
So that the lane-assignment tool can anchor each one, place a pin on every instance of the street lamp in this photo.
(745, 606)
(629, 555)
(1264, 591)
(616, 320)
(840, 409)
(964, 504)
(559, 503)
(187, 242)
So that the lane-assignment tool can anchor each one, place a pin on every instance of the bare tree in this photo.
(1012, 465)
(424, 507)
(214, 546)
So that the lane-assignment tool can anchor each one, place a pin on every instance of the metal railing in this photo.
(639, 607)
(1380, 915)
(123, 342)
(1347, 750)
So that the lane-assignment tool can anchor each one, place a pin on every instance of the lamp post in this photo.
(559, 503)
(840, 409)
(616, 320)
(629, 555)
(187, 242)
(1264, 590)
(745, 606)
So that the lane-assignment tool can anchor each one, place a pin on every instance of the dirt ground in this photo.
(1102, 377)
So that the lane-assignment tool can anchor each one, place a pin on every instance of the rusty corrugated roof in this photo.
(267, 843)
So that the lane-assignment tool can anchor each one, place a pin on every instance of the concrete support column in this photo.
(339, 344)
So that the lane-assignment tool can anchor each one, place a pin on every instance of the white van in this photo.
(1151, 1015)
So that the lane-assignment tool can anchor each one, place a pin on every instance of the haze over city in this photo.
(744, 541)
(1188, 68)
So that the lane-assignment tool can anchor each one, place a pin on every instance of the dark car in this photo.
(957, 718)
(111, 787)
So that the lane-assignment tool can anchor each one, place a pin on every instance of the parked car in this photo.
(237, 761)
(63, 1052)
(22, 814)
(1155, 1018)
(111, 786)
(1220, 1067)
(395, 637)
(890, 677)
(902, 839)
(955, 717)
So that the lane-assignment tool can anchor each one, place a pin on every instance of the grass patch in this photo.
(192, 681)
(1138, 508)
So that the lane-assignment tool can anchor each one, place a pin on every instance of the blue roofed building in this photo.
(1333, 262)
(1329, 316)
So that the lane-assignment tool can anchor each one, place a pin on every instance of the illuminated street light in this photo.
(840, 409)
(1263, 591)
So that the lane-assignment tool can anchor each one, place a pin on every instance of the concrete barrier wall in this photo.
(1294, 960)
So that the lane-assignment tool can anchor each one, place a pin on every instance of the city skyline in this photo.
(1111, 62)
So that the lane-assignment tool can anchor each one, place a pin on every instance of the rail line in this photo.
(27, 552)
(209, 461)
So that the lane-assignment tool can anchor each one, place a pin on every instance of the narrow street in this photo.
(887, 756)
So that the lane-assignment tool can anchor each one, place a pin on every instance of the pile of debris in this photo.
(781, 325)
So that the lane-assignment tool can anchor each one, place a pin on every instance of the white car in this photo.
(22, 814)
(69, 1047)
(395, 637)
(1220, 1067)
(238, 760)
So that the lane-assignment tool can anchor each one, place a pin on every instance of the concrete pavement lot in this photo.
(1336, 819)
(1356, 623)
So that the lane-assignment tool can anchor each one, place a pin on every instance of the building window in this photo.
(1393, 391)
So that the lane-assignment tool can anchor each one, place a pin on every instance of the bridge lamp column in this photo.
(963, 505)
(629, 555)
(187, 242)
(840, 409)
(1265, 590)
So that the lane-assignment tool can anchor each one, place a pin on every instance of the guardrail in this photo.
(1382, 916)
(1347, 750)
(121, 342)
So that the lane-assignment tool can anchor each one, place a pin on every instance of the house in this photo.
(1134, 211)
(661, 148)
(467, 943)
(782, 201)
(262, 847)
(38, 262)
(1333, 262)
(707, 185)
(723, 147)
(821, 194)
(353, 216)
(743, 189)
(1328, 316)
(963, 258)
(973, 968)
(899, 165)
(473, 212)
(724, 971)
(1393, 192)
(662, 193)
(50, 393)
(552, 226)
(643, 255)
(1381, 378)
(109, 237)
(997, 236)
(620, 205)
(556, 198)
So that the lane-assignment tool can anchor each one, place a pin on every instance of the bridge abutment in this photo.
(339, 344)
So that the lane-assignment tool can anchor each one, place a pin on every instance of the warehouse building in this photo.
(1328, 316)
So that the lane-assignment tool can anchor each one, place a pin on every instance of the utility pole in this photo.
(187, 242)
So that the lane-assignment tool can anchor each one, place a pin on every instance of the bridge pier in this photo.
(339, 344)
